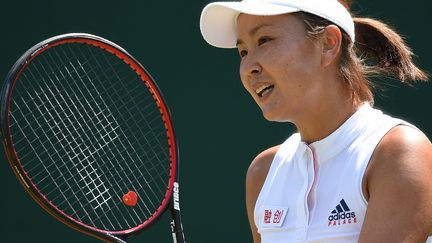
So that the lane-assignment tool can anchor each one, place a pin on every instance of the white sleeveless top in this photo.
(313, 193)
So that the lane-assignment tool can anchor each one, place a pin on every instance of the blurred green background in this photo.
(219, 128)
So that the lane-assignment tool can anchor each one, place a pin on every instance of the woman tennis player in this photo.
(351, 173)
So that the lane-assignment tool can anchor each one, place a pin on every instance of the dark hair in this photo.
(378, 50)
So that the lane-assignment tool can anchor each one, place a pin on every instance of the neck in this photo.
(327, 115)
(325, 121)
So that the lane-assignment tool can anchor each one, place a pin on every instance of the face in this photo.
(280, 65)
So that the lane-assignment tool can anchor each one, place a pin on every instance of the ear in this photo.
(331, 43)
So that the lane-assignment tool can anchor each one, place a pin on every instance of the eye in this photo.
(243, 53)
(263, 40)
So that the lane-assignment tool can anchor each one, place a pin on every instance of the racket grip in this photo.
(176, 225)
(177, 232)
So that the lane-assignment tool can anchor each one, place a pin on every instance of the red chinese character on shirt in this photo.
(267, 216)
(277, 216)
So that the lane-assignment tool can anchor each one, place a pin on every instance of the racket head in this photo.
(106, 190)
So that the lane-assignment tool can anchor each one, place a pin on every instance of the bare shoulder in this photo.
(403, 155)
(399, 190)
(404, 149)
(260, 166)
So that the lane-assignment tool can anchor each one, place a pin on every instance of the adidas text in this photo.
(342, 215)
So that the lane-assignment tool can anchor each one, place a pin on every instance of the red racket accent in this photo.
(130, 199)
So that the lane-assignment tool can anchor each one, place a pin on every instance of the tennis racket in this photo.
(89, 136)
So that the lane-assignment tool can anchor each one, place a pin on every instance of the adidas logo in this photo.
(342, 214)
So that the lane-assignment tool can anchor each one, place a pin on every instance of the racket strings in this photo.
(145, 135)
(96, 124)
(154, 120)
(129, 156)
(150, 128)
(133, 134)
(60, 185)
(53, 182)
(65, 161)
(92, 122)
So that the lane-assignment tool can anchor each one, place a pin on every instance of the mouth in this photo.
(264, 89)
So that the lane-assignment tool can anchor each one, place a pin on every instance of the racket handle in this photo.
(177, 231)
(176, 225)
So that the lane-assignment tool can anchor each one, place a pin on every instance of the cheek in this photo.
(298, 79)
(301, 65)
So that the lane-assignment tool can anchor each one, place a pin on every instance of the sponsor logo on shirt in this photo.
(341, 215)
(273, 216)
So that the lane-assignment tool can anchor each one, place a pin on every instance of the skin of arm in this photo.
(255, 178)
(398, 187)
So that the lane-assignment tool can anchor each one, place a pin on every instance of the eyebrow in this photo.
(252, 32)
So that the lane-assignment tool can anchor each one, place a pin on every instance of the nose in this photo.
(249, 67)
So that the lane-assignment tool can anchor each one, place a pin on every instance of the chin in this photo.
(274, 117)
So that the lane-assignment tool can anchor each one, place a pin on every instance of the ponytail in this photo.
(378, 43)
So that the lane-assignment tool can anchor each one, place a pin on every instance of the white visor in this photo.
(218, 19)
